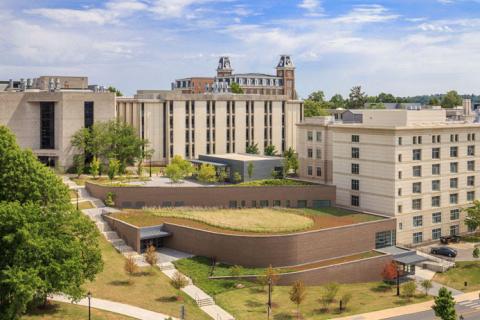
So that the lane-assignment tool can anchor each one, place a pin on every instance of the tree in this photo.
(386, 98)
(207, 173)
(476, 253)
(130, 267)
(79, 164)
(95, 167)
(346, 299)
(270, 150)
(329, 293)
(44, 250)
(236, 270)
(178, 281)
(117, 92)
(472, 219)
(252, 149)
(317, 96)
(250, 168)
(451, 100)
(178, 169)
(235, 87)
(357, 98)
(426, 285)
(290, 161)
(297, 295)
(222, 175)
(444, 306)
(409, 289)
(433, 101)
(337, 101)
(113, 168)
(151, 255)
(271, 275)
(389, 272)
(315, 109)
(237, 177)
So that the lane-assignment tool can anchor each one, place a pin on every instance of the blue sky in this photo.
(405, 47)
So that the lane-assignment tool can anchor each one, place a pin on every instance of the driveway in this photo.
(464, 250)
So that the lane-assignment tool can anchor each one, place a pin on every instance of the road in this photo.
(469, 309)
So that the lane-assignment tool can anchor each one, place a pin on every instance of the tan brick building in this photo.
(412, 164)
(193, 124)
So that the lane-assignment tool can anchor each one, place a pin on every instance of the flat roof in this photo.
(215, 164)
(243, 156)
(153, 232)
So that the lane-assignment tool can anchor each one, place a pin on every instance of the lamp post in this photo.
(150, 160)
(269, 304)
(89, 296)
(398, 280)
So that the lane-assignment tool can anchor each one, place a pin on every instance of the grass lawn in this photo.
(82, 205)
(272, 182)
(104, 180)
(471, 238)
(249, 303)
(464, 271)
(67, 311)
(150, 290)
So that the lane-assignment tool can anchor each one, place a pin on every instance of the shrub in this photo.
(151, 255)
(179, 281)
(426, 285)
(346, 299)
(113, 168)
(110, 199)
(328, 295)
(237, 177)
(79, 163)
(476, 253)
(409, 289)
(207, 173)
(95, 167)
(297, 294)
(130, 266)
(236, 270)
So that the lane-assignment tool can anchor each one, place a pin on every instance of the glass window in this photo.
(355, 138)
(435, 185)
(399, 141)
(454, 230)
(435, 169)
(384, 239)
(277, 203)
(310, 152)
(417, 204)
(455, 214)
(309, 136)
(471, 181)
(319, 136)
(417, 187)
(471, 165)
(436, 233)
(454, 183)
(319, 171)
(232, 203)
(263, 203)
(454, 198)
(436, 153)
(454, 152)
(436, 201)
(470, 150)
(417, 171)
(355, 201)
(417, 154)
(355, 153)
(417, 221)
(355, 184)
(355, 168)
(453, 167)
(436, 217)
(309, 170)
(417, 237)
(470, 195)
(319, 153)
(399, 157)
(301, 203)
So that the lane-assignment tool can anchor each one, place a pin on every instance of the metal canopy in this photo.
(215, 164)
(153, 232)
(409, 258)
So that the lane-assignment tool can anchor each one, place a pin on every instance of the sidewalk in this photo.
(413, 308)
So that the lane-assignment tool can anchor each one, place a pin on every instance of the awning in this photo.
(215, 164)
(153, 233)
(409, 258)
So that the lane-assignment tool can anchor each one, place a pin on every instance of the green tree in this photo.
(357, 98)
(235, 87)
(433, 101)
(117, 92)
(174, 172)
(184, 165)
(329, 293)
(250, 168)
(270, 150)
(317, 96)
(207, 173)
(297, 295)
(444, 306)
(409, 289)
(290, 161)
(476, 253)
(451, 99)
(315, 109)
(472, 219)
(252, 149)
(95, 167)
(222, 175)
(113, 168)
(44, 250)
(237, 177)
(23, 178)
(79, 164)
(426, 285)
(337, 101)
(386, 98)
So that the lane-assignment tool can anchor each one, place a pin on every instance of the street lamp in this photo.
(269, 304)
(398, 280)
(150, 160)
(89, 296)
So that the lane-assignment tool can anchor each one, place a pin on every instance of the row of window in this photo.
(318, 153)
(310, 171)
(436, 138)
(417, 237)
(278, 203)
(417, 221)
(436, 200)
(318, 136)
(417, 153)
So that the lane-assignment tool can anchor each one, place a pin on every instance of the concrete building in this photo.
(415, 165)
(281, 83)
(45, 112)
(193, 124)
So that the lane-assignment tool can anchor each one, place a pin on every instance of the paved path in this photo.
(424, 274)
(116, 307)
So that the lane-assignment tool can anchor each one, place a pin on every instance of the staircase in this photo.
(205, 302)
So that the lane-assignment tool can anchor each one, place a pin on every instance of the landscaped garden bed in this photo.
(122, 181)
(464, 271)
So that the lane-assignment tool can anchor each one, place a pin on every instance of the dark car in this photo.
(444, 251)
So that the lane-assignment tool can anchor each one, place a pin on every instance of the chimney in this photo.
(29, 83)
(10, 84)
(57, 84)
(51, 84)
(22, 84)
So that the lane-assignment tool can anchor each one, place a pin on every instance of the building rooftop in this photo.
(244, 156)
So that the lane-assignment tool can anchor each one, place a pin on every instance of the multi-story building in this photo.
(282, 83)
(45, 112)
(193, 124)
(412, 164)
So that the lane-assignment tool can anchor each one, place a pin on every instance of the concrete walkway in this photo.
(424, 274)
(120, 308)
(410, 309)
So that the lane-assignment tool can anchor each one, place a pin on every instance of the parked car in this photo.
(444, 251)
(447, 239)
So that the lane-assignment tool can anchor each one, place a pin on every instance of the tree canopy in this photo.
(444, 306)
(235, 87)
(357, 98)
(473, 215)
(117, 92)
(451, 100)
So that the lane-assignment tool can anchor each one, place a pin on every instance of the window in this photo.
(309, 170)
(417, 204)
(471, 181)
(399, 157)
(417, 140)
(435, 185)
(301, 203)
(454, 138)
(385, 239)
(417, 154)
(436, 233)
(453, 167)
(470, 150)
(310, 152)
(454, 183)
(355, 168)
(399, 192)
(399, 174)
(435, 169)
(417, 237)
(355, 184)
(88, 114)
(454, 230)
(355, 138)
(399, 141)
(435, 153)
(355, 201)
(355, 153)
(319, 136)
(417, 221)
(453, 152)
(470, 195)
(436, 201)
(400, 226)
(436, 138)
(319, 171)
(232, 204)
(471, 165)
(319, 153)
(417, 187)
(454, 198)
(436, 217)
(417, 171)
(47, 125)
(277, 203)
(309, 136)
(263, 203)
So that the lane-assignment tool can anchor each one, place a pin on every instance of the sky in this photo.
(404, 47)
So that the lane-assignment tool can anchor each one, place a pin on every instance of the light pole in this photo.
(150, 160)
(398, 280)
(269, 304)
(89, 296)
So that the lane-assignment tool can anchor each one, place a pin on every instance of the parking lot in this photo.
(464, 250)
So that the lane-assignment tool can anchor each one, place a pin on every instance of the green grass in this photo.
(150, 289)
(121, 181)
(273, 182)
(82, 205)
(471, 238)
(464, 271)
(358, 217)
(249, 303)
(67, 311)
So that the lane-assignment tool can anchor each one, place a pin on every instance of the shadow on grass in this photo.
(254, 290)
(167, 299)
(253, 304)
(144, 273)
(383, 287)
(120, 283)
(283, 316)
(49, 309)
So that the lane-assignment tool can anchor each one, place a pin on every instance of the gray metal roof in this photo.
(153, 232)
(215, 164)
(409, 258)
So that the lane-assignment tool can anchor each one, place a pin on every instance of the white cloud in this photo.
(310, 5)
(367, 14)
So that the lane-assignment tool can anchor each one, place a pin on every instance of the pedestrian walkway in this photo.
(474, 304)
(119, 308)
(424, 274)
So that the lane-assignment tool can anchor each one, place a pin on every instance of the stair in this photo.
(103, 227)
(205, 302)
(166, 266)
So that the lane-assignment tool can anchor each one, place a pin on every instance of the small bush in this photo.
(179, 281)
(236, 270)
(409, 289)
(110, 199)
